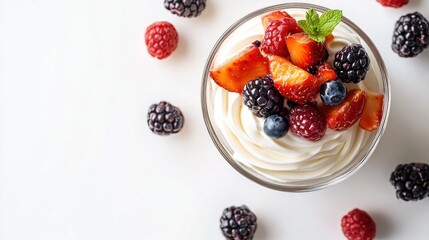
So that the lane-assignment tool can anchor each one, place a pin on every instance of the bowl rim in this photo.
(276, 186)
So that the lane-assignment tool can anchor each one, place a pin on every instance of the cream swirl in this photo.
(289, 158)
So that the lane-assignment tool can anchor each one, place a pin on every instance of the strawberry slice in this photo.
(247, 65)
(276, 15)
(325, 73)
(346, 114)
(305, 52)
(294, 83)
(372, 111)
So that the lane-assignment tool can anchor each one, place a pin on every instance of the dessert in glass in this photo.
(330, 98)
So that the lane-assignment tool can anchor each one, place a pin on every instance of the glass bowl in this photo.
(282, 166)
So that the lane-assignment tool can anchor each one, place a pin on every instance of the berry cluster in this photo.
(289, 66)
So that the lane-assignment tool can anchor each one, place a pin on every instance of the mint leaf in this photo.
(328, 21)
(306, 27)
(317, 27)
(312, 17)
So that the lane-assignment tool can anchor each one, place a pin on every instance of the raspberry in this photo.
(161, 39)
(275, 36)
(358, 225)
(393, 3)
(307, 122)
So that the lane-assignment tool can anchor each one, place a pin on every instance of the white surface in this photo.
(79, 162)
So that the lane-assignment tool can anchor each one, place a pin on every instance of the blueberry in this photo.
(333, 92)
(276, 126)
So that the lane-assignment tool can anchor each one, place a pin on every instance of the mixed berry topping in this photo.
(185, 8)
(351, 63)
(307, 122)
(261, 97)
(164, 118)
(238, 223)
(276, 126)
(411, 35)
(358, 225)
(411, 181)
(161, 39)
(290, 66)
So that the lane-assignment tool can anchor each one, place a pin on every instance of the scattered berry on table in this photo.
(411, 35)
(333, 92)
(276, 126)
(351, 63)
(161, 39)
(261, 97)
(274, 41)
(411, 181)
(185, 8)
(164, 118)
(393, 3)
(307, 122)
(238, 223)
(358, 225)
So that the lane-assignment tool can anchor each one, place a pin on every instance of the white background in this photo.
(79, 162)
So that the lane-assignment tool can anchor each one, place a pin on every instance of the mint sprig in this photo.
(317, 27)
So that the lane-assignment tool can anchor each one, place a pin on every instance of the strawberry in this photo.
(325, 73)
(276, 15)
(294, 83)
(304, 51)
(372, 111)
(247, 65)
(343, 116)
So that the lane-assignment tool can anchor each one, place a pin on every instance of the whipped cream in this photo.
(290, 158)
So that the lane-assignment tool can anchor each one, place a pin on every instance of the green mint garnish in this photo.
(317, 27)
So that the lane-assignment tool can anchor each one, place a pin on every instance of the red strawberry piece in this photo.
(372, 111)
(307, 122)
(358, 225)
(393, 3)
(305, 52)
(276, 15)
(347, 113)
(294, 83)
(325, 73)
(247, 65)
(329, 38)
(161, 39)
(275, 35)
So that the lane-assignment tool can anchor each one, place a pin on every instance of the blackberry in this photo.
(238, 223)
(164, 118)
(351, 63)
(261, 97)
(411, 35)
(411, 181)
(185, 8)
